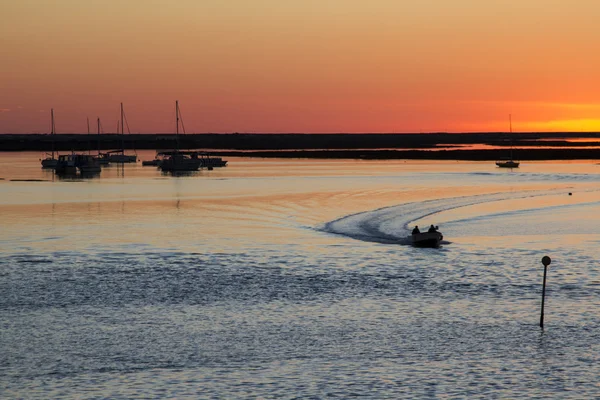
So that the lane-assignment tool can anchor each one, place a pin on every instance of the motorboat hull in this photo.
(49, 163)
(72, 163)
(427, 239)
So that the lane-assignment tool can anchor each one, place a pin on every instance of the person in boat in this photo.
(432, 228)
(416, 230)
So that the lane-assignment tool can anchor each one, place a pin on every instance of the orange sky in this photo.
(301, 66)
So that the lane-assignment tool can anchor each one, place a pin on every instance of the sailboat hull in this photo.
(179, 163)
(102, 161)
(507, 164)
(122, 158)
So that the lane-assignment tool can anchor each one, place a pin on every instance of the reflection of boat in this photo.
(177, 160)
(427, 239)
(509, 163)
(50, 162)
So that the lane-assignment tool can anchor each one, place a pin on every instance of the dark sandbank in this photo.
(356, 146)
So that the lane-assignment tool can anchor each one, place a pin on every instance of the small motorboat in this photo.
(427, 239)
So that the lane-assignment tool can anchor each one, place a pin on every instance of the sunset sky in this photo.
(301, 66)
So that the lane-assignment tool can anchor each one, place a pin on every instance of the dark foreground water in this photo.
(290, 279)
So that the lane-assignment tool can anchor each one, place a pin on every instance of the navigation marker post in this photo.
(546, 261)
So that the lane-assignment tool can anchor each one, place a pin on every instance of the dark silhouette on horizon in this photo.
(357, 146)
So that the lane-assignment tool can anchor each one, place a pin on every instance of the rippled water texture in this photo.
(294, 279)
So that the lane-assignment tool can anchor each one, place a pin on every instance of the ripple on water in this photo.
(335, 317)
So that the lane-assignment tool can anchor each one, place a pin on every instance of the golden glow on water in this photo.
(257, 199)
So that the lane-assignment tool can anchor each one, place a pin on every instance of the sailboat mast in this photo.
(98, 123)
(511, 139)
(52, 129)
(89, 138)
(177, 123)
(122, 131)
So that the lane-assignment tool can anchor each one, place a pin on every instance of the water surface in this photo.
(292, 278)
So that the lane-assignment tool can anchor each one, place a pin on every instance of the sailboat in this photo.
(50, 162)
(510, 163)
(102, 158)
(177, 160)
(119, 156)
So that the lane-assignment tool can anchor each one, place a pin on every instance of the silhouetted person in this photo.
(432, 229)
(416, 230)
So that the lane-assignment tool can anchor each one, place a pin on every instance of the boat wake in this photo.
(392, 225)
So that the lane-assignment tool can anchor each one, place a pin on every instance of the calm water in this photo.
(292, 279)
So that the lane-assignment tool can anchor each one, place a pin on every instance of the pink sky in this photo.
(306, 66)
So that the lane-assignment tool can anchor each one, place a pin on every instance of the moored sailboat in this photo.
(509, 163)
(50, 162)
(177, 160)
(119, 156)
(101, 158)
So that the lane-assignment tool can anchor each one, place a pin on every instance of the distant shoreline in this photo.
(458, 155)
(334, 146)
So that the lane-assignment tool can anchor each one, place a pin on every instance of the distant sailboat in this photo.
(510, 163)
(177, 160)
(102, 158)
(50, 162)
(119, 156)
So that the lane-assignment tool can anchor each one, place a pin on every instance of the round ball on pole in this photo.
(546, 261)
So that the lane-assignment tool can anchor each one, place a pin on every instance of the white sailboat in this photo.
(509, 163)
(50, 162)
